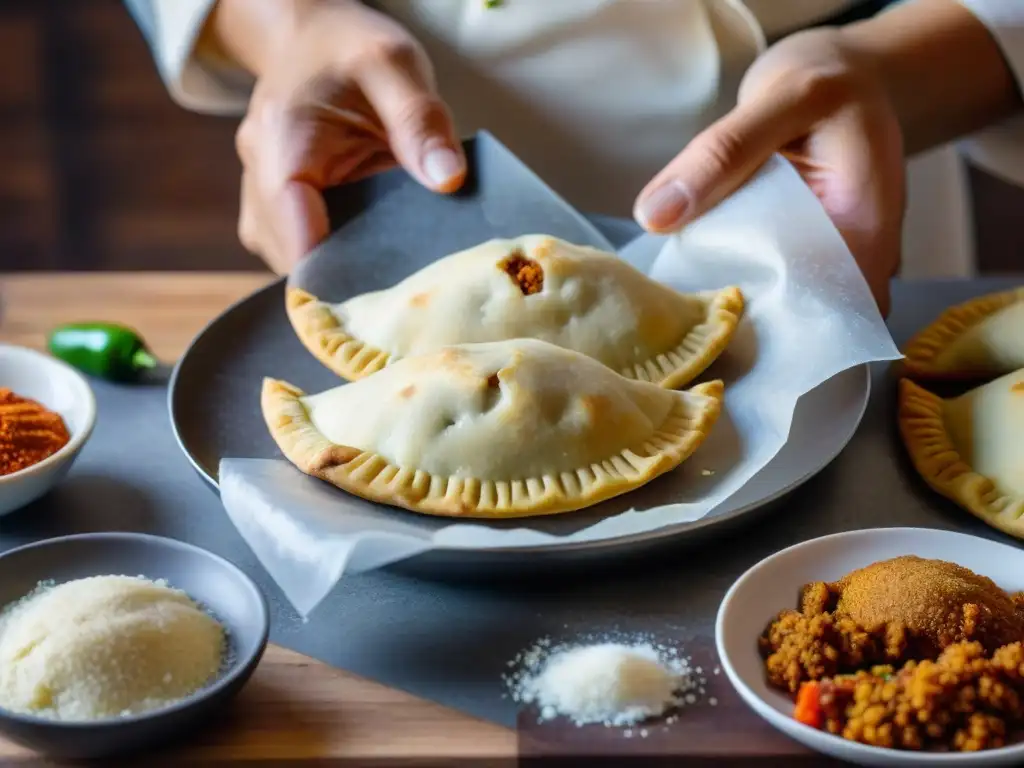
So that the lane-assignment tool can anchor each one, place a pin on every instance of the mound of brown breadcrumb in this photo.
(887, 613)
(939, 603)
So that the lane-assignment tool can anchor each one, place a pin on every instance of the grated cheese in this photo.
(613, 683)
(105, 646)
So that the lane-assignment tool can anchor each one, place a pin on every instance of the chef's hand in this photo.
(811, 98)
(341, 92)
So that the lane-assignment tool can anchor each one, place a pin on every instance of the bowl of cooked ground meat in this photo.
(892, 646)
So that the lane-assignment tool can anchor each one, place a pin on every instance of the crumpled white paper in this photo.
(809, 316)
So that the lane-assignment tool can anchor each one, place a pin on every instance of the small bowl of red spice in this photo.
(47, 412)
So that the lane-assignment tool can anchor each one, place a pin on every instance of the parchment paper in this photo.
(809, 316)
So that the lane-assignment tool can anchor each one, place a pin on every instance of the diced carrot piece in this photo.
(808, 705)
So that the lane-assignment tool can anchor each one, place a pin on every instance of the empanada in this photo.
(977, 339)
(971, 448)
(530, 287)
(498, 429)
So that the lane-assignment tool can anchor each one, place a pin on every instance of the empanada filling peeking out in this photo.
(524, 271)
(492, 393)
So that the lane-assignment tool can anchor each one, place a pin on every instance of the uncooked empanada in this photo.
(531, 287)
(971, 448)
(498, 429)
(977, 339)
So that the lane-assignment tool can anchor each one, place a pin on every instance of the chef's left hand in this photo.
(812, 99)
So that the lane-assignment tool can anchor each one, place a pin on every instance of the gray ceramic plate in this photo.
(385, 229)
(212, 581)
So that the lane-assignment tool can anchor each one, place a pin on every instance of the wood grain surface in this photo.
(296, 710)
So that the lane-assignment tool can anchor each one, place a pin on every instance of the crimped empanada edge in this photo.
(288, 422)
(926, 438)
(320, 331)
(700, 347)
(927, 344)
(370, 476)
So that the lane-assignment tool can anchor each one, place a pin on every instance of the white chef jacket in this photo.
(595, 95)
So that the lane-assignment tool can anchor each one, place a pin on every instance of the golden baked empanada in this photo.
(498, 429)
(977, 339)
(534, 287)
(971, 448)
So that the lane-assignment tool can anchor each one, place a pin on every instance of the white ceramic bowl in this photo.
(773, 585)
(60, 388)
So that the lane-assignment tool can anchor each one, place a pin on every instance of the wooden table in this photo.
(295, 710)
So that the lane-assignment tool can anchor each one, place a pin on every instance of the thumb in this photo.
(303, 222)
(718, 161)
(419, 127)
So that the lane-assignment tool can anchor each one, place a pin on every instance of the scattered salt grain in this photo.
(605, 682)
(713, 701)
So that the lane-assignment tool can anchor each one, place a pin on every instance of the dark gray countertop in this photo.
(448, 643)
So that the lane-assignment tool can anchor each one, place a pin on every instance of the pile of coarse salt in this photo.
(616, 684)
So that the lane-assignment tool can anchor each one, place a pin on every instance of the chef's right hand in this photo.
(341, 92)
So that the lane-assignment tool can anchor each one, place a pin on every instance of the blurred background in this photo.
(100, 170)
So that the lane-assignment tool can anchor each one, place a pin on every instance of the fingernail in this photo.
(663, 208)
(442, 166)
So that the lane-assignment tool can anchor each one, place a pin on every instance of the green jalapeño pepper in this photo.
(105, 350)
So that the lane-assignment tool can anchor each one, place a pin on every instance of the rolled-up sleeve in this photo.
(1000, 149)
(194, 78)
